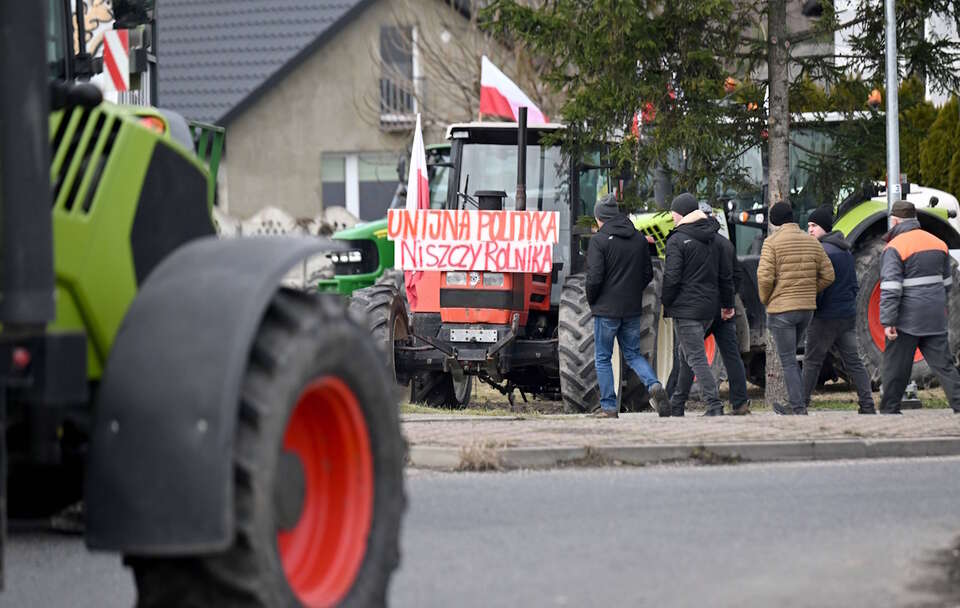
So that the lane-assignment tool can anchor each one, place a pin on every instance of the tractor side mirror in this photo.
(131, 13)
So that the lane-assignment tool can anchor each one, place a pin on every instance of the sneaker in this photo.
(800, 411)
(676, 412)
(603, 414)
(891, 413)
(659, 398)
(741, 410)
(779, 408)
(867, 410)
(717, 411)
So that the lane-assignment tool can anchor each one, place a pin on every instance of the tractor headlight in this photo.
(493, 279)
(345, 257)
(457, 278)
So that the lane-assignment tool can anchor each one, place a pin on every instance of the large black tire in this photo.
(384, 311)
(394, 277)
(578, 372)
(868, 277)
(635, 397)
(300, 381)
(438, 389)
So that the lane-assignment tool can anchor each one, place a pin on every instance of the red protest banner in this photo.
(494, 241)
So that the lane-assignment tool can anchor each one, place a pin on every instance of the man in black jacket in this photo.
(724, 332)
(618, 270)
(697, 281)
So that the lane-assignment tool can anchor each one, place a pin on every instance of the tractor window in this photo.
(56, 40)
(439, 183)
(594, 184)
(494, 167)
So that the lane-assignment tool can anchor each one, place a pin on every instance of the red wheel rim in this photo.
(323, 552)
(873, 322)
(710, 346)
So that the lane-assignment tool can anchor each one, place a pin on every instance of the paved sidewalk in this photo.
(451, 442)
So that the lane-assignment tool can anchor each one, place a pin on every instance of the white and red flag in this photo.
(500, 96)
(116, 60)
(418, 197)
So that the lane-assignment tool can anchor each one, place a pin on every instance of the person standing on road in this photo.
(724, 332)
(915, 276)
(697, 282)
(793, 269)
(618, 270)
(834, 322)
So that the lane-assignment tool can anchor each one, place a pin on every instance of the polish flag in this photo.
(500, 96)
(418, 197)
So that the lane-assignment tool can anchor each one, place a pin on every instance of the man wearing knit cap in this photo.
(915, 275)
(618, 270)
(793, 269)
(835, 321)
(697, 282)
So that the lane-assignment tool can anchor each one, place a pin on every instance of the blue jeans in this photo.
(628, 332)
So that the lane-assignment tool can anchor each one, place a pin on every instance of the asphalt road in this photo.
(833, 534)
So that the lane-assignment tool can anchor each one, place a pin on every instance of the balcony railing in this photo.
(398, 103)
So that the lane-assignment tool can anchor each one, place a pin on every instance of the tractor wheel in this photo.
(578, 372)
(384, 312)
(318, 474)
(870, 337)
(439, 389)
(394, 277)
(635, 397)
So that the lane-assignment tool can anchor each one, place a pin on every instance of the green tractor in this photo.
(370, 257)
(235, 441)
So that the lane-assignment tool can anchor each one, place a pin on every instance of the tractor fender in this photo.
(875, 223)
(159, 476)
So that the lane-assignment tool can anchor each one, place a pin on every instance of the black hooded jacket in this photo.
(698, 272)
(618, 269)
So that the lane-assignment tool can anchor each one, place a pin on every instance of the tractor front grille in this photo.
(81, 143)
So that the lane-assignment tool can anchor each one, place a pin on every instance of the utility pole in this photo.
(893, 112)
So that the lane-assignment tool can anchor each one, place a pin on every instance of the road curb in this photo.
(493, 457)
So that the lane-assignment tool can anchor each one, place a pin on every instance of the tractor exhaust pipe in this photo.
(26, 249)
(522, 160)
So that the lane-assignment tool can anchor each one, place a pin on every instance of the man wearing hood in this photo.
(618, 270)
(915, 276)
(834, 323)
(793, 269)
(697, 281)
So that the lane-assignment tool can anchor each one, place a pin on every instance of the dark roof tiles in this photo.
(215, 56)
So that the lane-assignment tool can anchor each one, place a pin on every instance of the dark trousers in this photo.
(898, 363)
(824, 334)
(688, 335)
(725, 333)
(787, 329)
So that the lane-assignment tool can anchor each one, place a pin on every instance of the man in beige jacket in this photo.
(793, 269)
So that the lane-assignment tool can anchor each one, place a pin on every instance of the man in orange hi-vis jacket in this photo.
(915, 275)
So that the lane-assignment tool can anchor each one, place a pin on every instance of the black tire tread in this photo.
(297, 335)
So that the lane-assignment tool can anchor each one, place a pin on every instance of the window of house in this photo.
(333, 180)
(398, 76)
(363, 182)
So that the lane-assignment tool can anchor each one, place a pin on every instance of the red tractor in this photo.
(531, 332)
